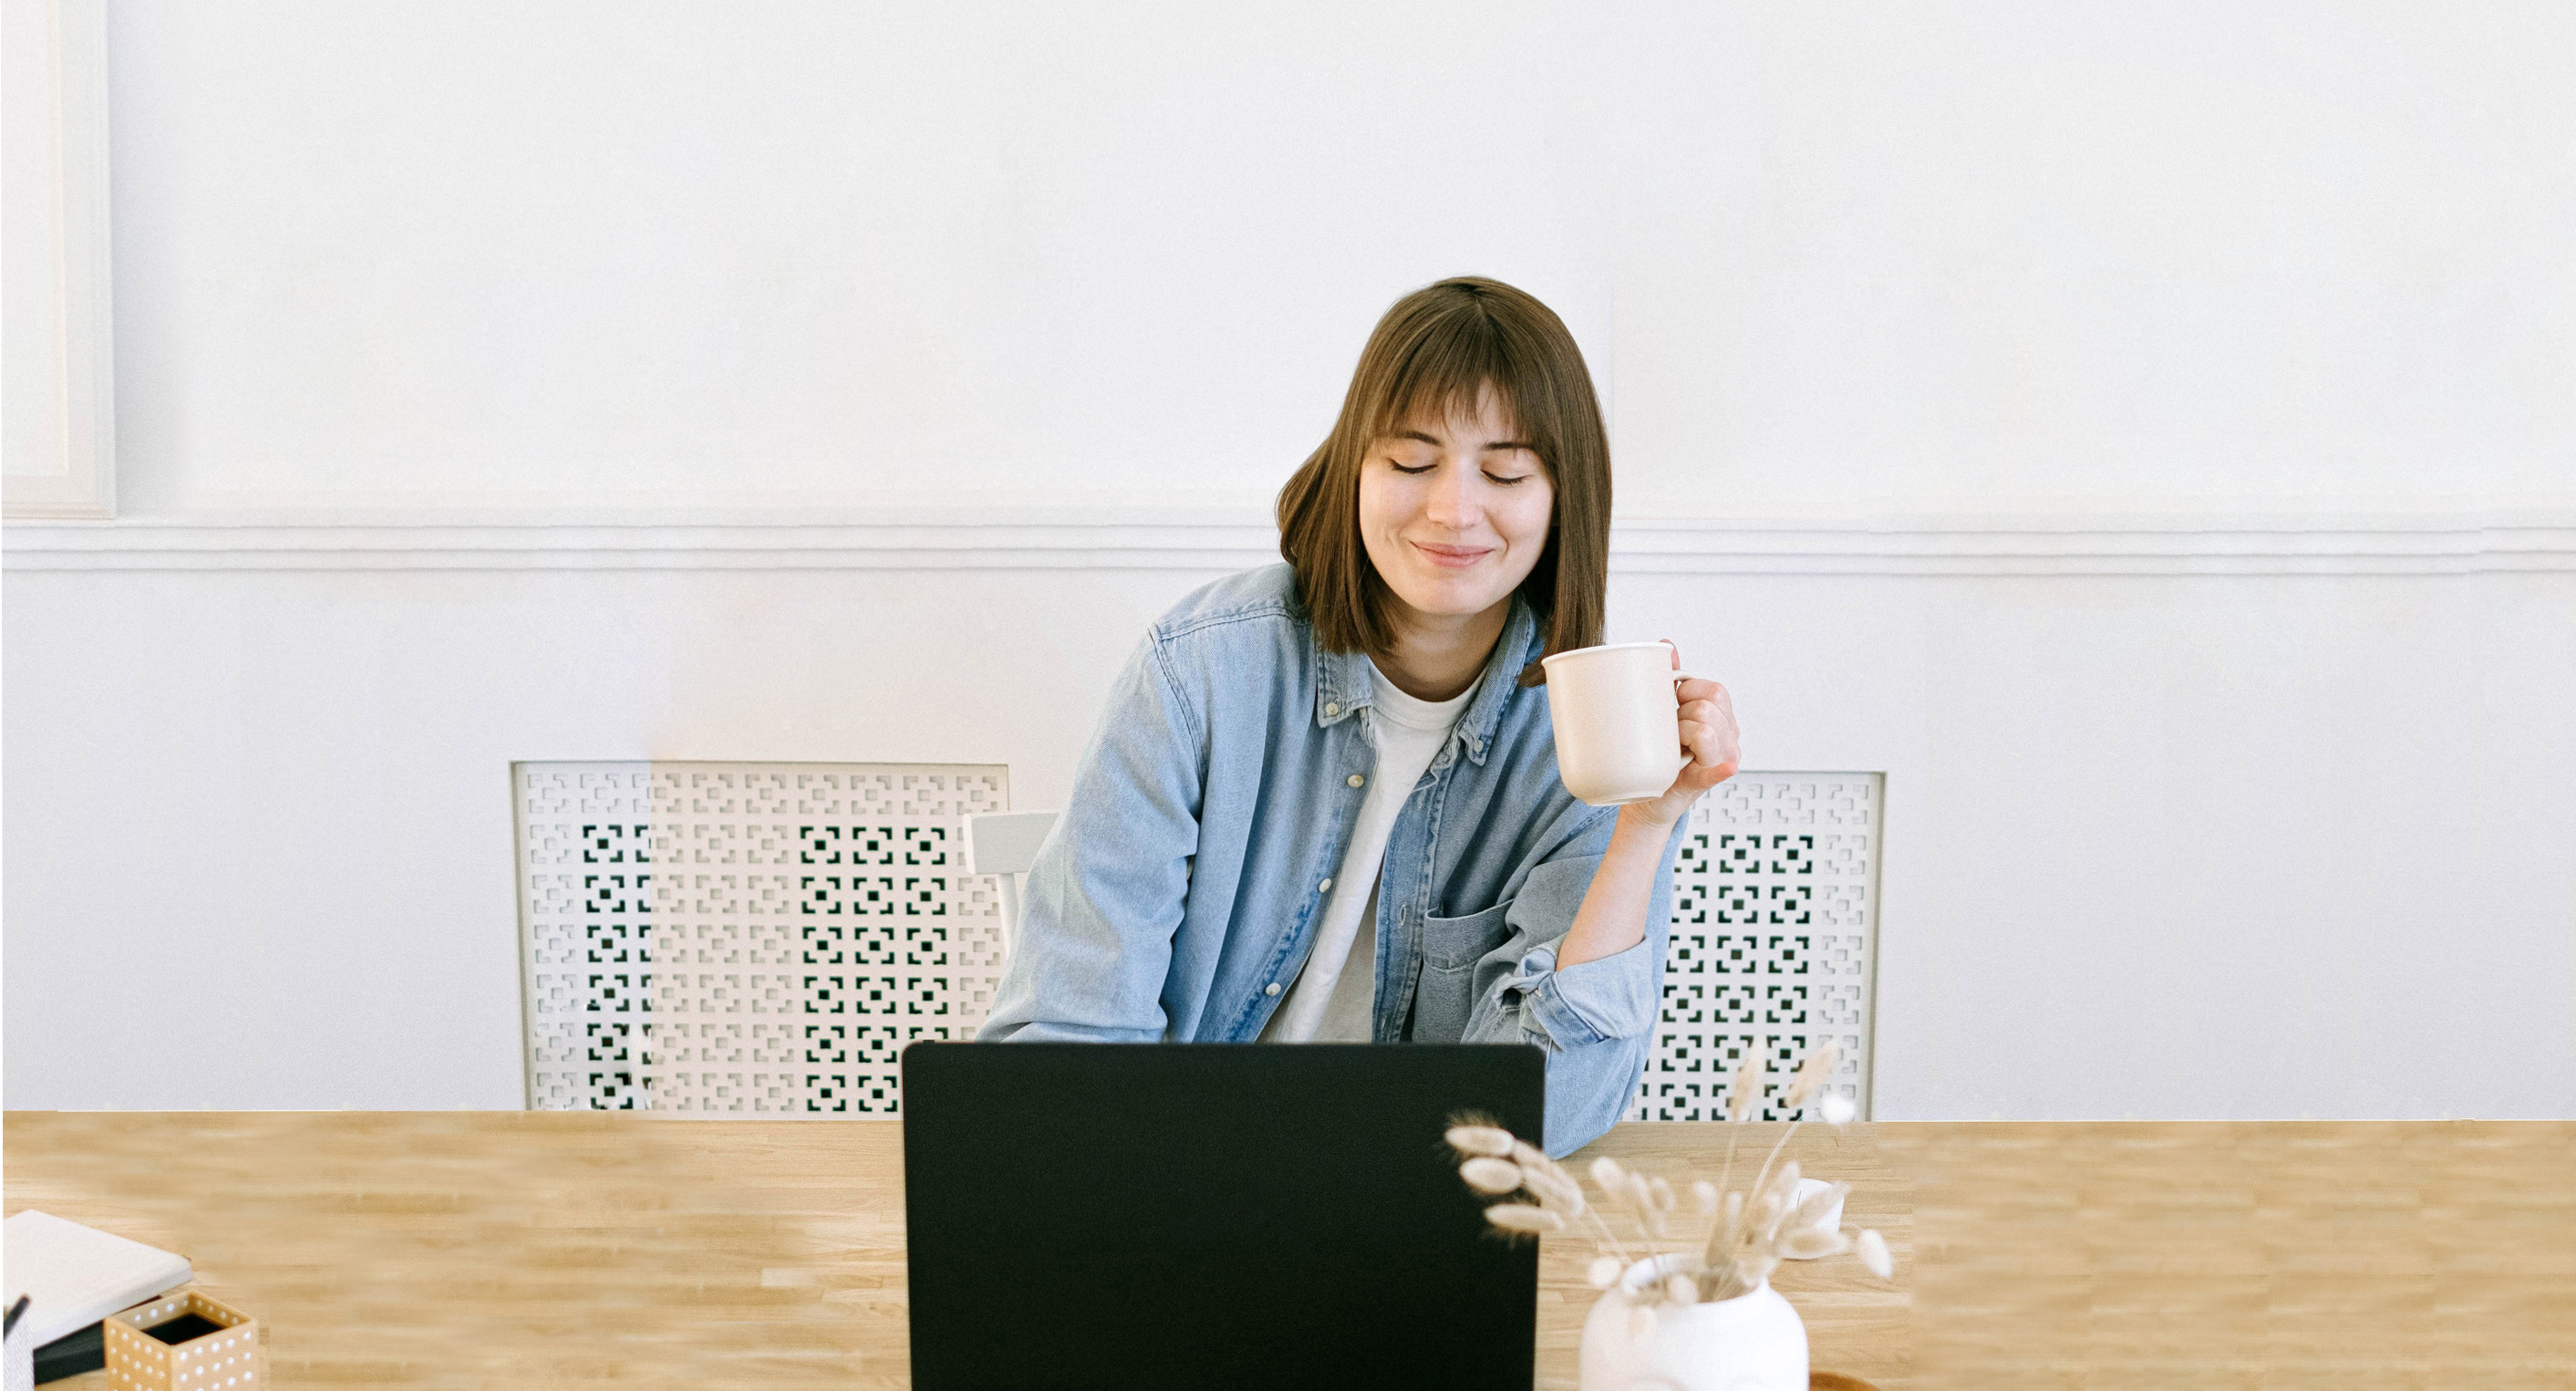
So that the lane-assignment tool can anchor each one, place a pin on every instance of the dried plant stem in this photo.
(1758, 1179)
(1721, 1231)
(1727, 1174)
(1610, 1236)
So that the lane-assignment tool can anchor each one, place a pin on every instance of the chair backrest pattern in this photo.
(1774, 940)
(738, 939)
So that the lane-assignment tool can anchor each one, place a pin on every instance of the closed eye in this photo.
(1507, 480)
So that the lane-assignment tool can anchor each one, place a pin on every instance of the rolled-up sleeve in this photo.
(1596, 1020)
(1599, 1001)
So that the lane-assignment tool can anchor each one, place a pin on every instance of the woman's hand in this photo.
(1613, 916)
(1708, 737)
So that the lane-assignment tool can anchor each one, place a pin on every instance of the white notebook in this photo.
(74, 1275)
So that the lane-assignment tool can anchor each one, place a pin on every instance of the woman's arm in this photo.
(1613, 916)
(1588, 997)
(1107, 891)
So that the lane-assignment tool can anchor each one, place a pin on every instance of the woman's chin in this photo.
(1452, 596)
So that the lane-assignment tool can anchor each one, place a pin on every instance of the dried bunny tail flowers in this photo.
(1547, 1178)
(1837, 1108)
(1812, 1073)
(1486, 1174)
(1811, 1213)
(1873, 1253)
(1704, 1197)
(1641, 1201)
(1490, 1140)
(1747, 1090)
(1741, 1097)
(1681, 1289)
(1723, 1233)
(1521, 1217)
(1554, 1190)
(1807, 1243)
(1612, 1179)
(1604, 1272)
(1776, 1195)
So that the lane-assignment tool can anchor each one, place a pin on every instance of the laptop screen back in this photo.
(1194, 1215)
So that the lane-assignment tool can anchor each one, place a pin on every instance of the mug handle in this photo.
(1680, 675)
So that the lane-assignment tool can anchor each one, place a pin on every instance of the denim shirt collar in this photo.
(1343, 681)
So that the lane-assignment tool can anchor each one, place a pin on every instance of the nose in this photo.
(1453, 502)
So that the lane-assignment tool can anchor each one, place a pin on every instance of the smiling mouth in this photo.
(1452, 557)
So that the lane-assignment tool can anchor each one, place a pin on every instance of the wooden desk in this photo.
(490, 1249)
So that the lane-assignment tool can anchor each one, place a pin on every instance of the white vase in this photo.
(1753, 1342)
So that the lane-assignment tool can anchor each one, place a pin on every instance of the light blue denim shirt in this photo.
(1183, 886)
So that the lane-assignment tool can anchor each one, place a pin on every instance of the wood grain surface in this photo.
(2244, 1254)
(507, 1249)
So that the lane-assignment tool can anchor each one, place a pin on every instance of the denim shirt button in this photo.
(1271, 989)
(1325, 887)
(1331, 708)
(1356, 780)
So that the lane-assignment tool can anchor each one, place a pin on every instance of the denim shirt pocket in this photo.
(1451, 949)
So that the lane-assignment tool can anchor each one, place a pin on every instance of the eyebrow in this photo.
(1438, 443)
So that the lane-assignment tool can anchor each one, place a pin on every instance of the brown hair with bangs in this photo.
(1437, 348)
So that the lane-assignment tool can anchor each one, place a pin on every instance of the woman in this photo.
(1323, 801)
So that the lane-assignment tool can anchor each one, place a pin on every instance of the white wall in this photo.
(1821, 256)
(2156, 845)
(2223, 696)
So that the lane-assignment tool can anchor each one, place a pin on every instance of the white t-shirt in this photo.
(1335, 998)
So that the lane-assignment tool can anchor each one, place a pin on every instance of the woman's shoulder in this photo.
(1266, 597)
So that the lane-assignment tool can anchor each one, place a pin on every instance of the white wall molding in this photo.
(2267, 543)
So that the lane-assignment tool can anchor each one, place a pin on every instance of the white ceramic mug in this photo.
(1618, 720)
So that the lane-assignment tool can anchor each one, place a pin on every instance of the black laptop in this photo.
(1159, 1215)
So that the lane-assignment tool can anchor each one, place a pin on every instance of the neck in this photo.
(1436, 656)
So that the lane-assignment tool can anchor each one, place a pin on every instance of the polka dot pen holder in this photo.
(183, 1341)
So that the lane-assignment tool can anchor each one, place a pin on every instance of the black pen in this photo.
(10, 1320)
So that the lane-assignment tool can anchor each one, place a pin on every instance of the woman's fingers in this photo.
(1708, 731)
(1714, 716)
(1709, 744)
